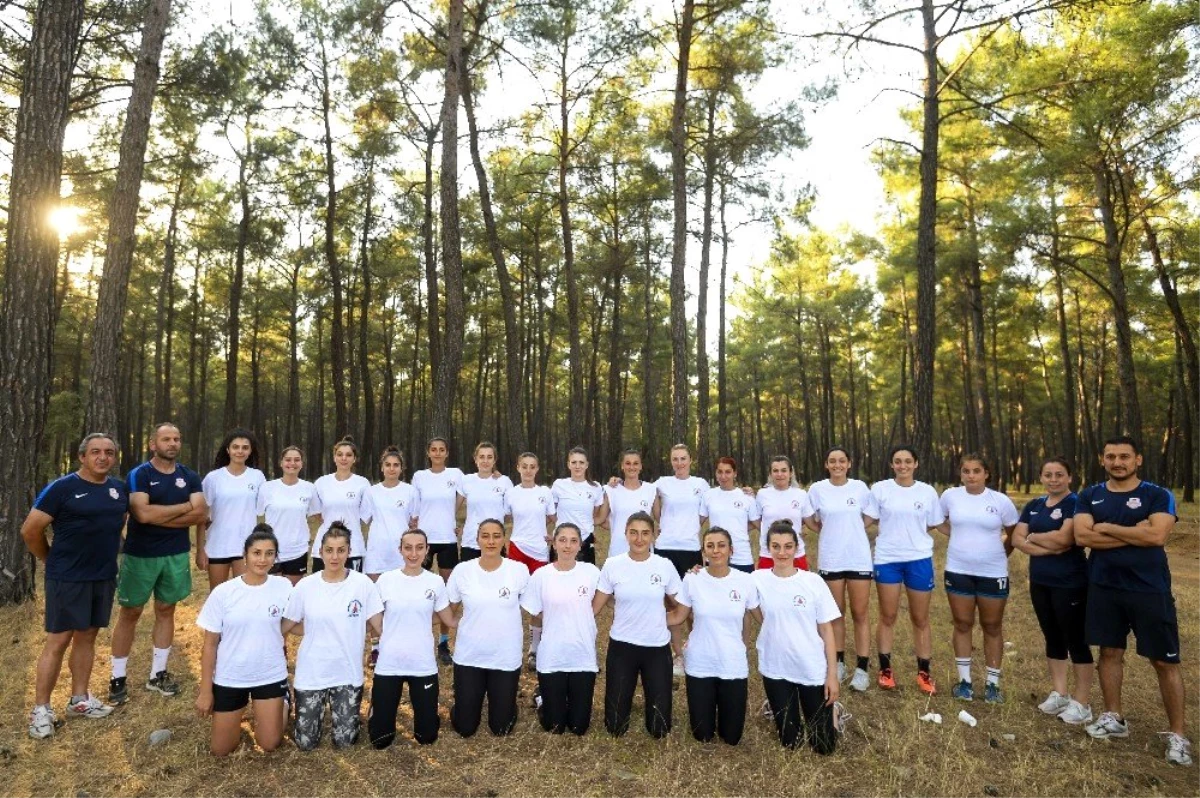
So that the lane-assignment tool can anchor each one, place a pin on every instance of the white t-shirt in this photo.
(287, 508)
(247, 617)
(715, 647)
(568, 625)
(342, 500)
(905, 516)
(622, 503)
(733, 510)
(389, 511)
(438, 497)
(576, 503)
(490, 632)
(844, 542)
(529, 508)
(335, 616)
(775, 504)
(232, 509)
(682, 508)
(485, 499)
(409, 602)
(976, 523)
(638, 588)
(789, 643)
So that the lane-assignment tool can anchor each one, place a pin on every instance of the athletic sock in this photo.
(885, 662)
(993, 676)
(963, 664)
(159, 662)
(922, 665)
(863, 663)
(119, 666)
(535, 637)
(841, 657)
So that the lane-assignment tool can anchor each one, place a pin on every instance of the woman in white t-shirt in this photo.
(980, 522)
(580, 500)
(411, 596)
(487, 650)
(483, 494)
(907, 509)
(437, 495)
(560, 597)
(331, 609)
(231, 491)
(680, 513)
(841, 506)
(729, 507)
(795, 647)
(717, 674)
(243, 657)
(390, 506)
(782, 499)
(626, 496)
(530, 507)
(342, 494)
(286, 504)
(639, 640)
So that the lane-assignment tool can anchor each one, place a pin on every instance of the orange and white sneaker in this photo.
(886, 680)
(925, 682)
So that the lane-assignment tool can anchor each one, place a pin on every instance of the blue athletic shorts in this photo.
(915, 574)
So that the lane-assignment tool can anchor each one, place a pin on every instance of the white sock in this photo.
(993, 676)
(159, 662)
(119, 664)
(535, 637)
(963, 664)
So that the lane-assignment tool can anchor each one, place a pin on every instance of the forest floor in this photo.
(886, 750)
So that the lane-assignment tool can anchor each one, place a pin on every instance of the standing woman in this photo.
(979, 521)
(411, 596)
(728, 507)
(643, 586)
(342, 495)
(231, 490)
(717, 672)
(243, 657)
(483, 493)
(579, 500)
(530, 507)
(841, 506)
(795, 646)
(331, 609)
(286, 503)
(560, 597)
(908, 509)
(680, 513)
(782, 500)
(487, 651)
(390, 506)
(626, 496)
(437, 496)
(1058, 583)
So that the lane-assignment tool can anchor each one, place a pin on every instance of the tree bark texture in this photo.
(679, 381)
(926, 241)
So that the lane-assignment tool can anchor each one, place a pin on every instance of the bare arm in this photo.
(157, 514)
(290, 627)
(33, 531)
(1086, 534)
(446, 616)
(677, 614)
(208, 665)
(600, 514)
(832, 688)
(1152, 532)
(1008, 541)
(598, 601)
(375, 622)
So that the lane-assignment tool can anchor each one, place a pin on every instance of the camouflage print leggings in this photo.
(344, 703)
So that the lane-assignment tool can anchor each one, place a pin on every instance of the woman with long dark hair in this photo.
(231, 490)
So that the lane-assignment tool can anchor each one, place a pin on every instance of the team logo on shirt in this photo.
(655, 579)
(738, 505)
(449, 483)
(1133, 503)
(304, 500)
(252, 487)
(991, 509)
(734, 595)
(795, 505)
(1055, 513)
(541, 499)
(429, 594)
(582, 590)
(799, 601)
(113, 492)
(350, 494)
(643, 504)
(918, 506)
(274, 611)
(399, 502)
(851, 502)
(354, 608)
(695, 491)
(180, 482)
(505, 592)
(498, 489)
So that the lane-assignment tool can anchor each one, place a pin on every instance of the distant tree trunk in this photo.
(364, 368)
(723, 441)
(431, 285)
(926, 245)
(1187, 457)
(1070, 428)
(122, 221)
(575, 409)
(233, 318)
(291, 430)
(703, 433)
(195, 351)
(337, 335)
(164, 316)
(985, 430)
(679, 382)
(1182, 328)
(256, 323)
(649, 428)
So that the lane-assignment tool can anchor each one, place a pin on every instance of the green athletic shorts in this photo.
(168, 578)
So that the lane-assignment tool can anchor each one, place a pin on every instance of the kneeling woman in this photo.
(243, 657)
(487, 654)
(796, 653)
(639, 641)
(560, 597)
(411, 597)
(717, 673)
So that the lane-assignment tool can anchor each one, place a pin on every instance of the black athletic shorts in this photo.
(78, 606)
(224, 560)
(834, 576)
(982, 586)
(231, 699)
(296, 567)
(683, 560)
(447, 556)
(1112, 614)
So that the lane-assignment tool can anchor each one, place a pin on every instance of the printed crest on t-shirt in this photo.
(350, 494)
(430, 594)
(113, 492)
(795, 505)
(991, 509)
(1133, 503)
(449, 483)
(918, 506)
(734, 595)
(505, 592)
(655, 579)
(1055, 513)
(180, 482)
(274, 611)
(799, 601)
(643, 503)
(354, 608)
(851, 501)
(582, 590)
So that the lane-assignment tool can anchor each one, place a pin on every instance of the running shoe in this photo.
(444, 655)
(118, 692)
(841, 717)
(886, 680)
(1108, 725)
(766, 710)
(1179, 750)
(164, 683)
(925, 682)
(841, 672)
(41, 722)
(963, 691)
(992, 694)
(1055, 703)
(860, 680)
(90, 707)
(1076, 713)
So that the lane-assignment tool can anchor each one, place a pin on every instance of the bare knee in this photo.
(992, 628)
(130, 614)
(57, 644)
(164, 611)
(888, 617)
(963, 626)
(1112, 656)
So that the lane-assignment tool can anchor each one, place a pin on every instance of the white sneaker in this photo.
(1076, 713)
(1054, 703)
(41, 722)
(766, 710)
(1179, 750)
(91, 707)
(841, 672)
(1108, 725)
(860, 680)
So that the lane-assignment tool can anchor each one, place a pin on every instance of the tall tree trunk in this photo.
(431, 284)
(575, 408)
(164, 312)
(723, 442)
(1186, 340)
(233, 318)
(291, 426)
(364, 368)
(679, 382)
(337, 335)
(703, 435)
(195, 351)
(1187, 456)
(984, 428)
(926, 244)
(1070, 431)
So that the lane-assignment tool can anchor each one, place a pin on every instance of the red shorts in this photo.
(766, 563)
(515, 553)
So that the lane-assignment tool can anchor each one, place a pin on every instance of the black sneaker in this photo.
(444, 653)
(164, 683)
(118, 693)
